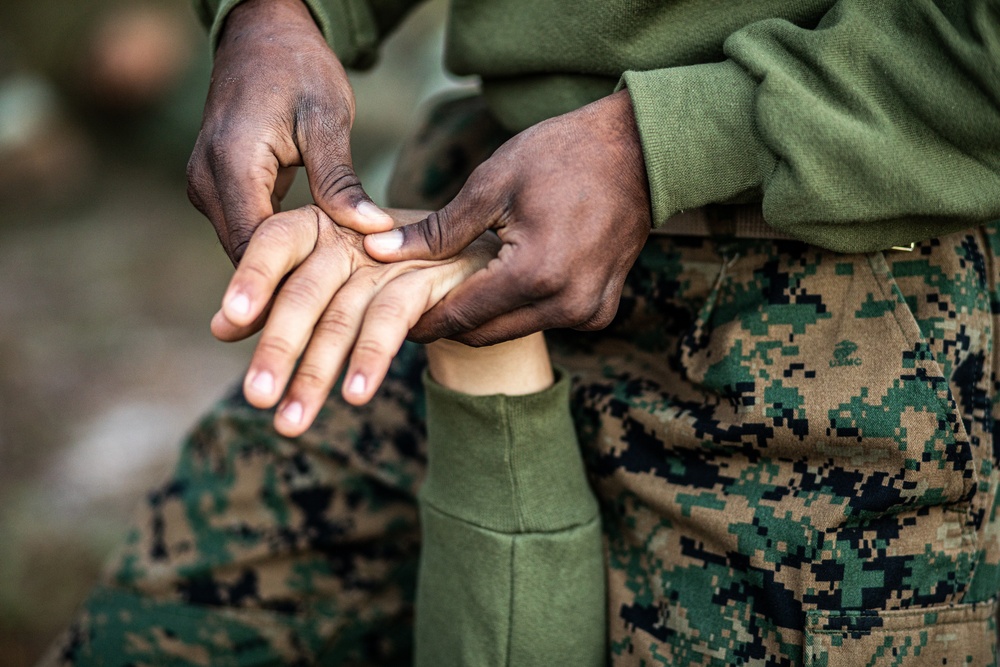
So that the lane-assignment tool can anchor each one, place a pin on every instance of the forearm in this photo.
(874, 129)
(514, 368)
(352, 28)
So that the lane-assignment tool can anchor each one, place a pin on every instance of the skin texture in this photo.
(570, 201)
(318, 299)
(567, 197)
(278, 99)
(516, 367)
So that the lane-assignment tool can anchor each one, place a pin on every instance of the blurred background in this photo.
(108, 277)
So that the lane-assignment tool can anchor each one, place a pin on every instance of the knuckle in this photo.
(278, 239)
(435, 233)
(335, 323)
(576, 311)
(391, 307)
(422, 336)
(317, 115)
(456, 320)
(336, 181)
(239, 249)
(370, 348)
(303, 291)
(254, 272)
(217, 153)
(276, 232)
(310, 377)
(475, 339)
(194, 196)
(260, 174)
(275, 347)
(599, 321)
(541, 283)
(198, 180)
(602, 316)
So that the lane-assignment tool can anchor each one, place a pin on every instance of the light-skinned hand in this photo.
(307, 284)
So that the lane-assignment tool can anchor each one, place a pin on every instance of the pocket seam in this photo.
(910, 330)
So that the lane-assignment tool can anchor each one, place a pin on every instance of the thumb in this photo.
(440, 235)
(334, 185)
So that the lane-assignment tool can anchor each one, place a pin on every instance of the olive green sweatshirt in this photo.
(511, 566)
(858, 124)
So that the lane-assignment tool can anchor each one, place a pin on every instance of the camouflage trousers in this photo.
(793, 449)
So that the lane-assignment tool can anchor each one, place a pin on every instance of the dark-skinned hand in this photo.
(279, 98)
(570, 201)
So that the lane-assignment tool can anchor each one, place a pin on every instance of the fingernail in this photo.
(357, 385)
(292, 412)
(239, 304)
(263, 382)
(370, 211)
(387, 241)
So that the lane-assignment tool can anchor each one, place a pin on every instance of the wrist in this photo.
(621, 118)
(514, 368)
(251, 16)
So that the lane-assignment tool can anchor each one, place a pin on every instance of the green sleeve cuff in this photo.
(348, 26)
(509, 464)
(698, 136)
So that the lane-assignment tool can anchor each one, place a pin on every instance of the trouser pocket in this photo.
(962, 634)
(819, 446)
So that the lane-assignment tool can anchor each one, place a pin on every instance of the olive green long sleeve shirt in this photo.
(858, 125)
(511, 566)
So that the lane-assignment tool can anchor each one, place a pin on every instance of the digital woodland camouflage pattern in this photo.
(794, 451)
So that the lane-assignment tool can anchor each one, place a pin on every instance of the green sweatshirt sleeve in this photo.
(353, 28)
(878, 127)
(511, 568)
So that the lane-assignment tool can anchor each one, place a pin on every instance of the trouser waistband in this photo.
(744, 221)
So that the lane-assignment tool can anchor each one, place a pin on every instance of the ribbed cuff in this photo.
(506, 463)
(698, 135)
(347, 25)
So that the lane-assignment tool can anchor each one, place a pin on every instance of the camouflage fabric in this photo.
(260, 550)
(795, 455)
(793, 448)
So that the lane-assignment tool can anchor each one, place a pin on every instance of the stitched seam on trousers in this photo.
(986, 268)
(961, 613)
(962, 509)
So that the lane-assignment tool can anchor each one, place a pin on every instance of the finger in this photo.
(486, 295)
(228, 332)
(389, 318)
(325, 143)
(297, 309)
(231, 181)
(519, 323)
(440, 235)
(564, 309)
(332, 339)
(283, 242)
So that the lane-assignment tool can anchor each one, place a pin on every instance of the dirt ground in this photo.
(105, 352)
